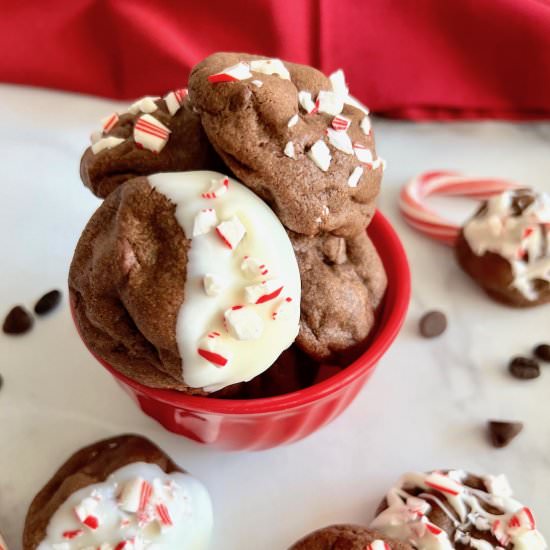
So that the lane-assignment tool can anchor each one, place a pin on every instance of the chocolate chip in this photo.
(524, 368)
(49, 301)
(501, 432)
(17, 321)
(433, 324)
(1, 381)
(542, 351)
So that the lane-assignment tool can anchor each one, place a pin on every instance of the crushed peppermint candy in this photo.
(253, 268)
(340, 122)
(329, 103)
(109, 122)
(231, 232)
(213, 284)
(365, 125)
(145, 105)
(363, 153)
(289, 150)
(282, 309)
(320, 155)
(217, 188)
(106, 143)
(271, 67)
(204, 222)
(263, 292)
(257, 83)
(243, 323)
(212, 349)
(379, 545)
(338, 81)
(293, 120)
(240, 71)
(174, 100)
(355, 176)
(150, 133)
(340, 140)
(307, 103)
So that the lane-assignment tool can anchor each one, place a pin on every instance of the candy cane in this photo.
(443, 183)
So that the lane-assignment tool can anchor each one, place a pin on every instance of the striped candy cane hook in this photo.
(443, 183)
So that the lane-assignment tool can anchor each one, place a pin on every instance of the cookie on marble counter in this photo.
(454, 509)
(154, 135)
(348, 537)
(343, 283)
(505, 248)
(186, 281)
(122, 492)
(294, 137)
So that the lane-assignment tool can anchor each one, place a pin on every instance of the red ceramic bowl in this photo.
(252, 424)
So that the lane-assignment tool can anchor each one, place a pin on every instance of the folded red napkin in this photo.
(418, 59)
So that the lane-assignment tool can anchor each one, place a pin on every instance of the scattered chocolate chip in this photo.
(17, 321)
(433, 324)
(524, 368)
(501, 432)
(542, 352)
(1, 381)
(49, 301)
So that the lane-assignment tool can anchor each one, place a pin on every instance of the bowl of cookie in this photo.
(237, 280)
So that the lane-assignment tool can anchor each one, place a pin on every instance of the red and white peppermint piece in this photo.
(204, 222)
(95, 136)
(498, 528)
(217, 189)
(163, 515)
(212, 349)
(330, 103)
(293, 120)
(531, 539)
(174, 100)
(340, 122)
(418, 506)
(270, 66)
(289, 150)
(109, 122)
(213, 284)
(231, 232)
(340, 140)
(86, 512)
(263, 292)
(135, 495)
(363, 153)
(365, 125)
(257, 83)
(338, 81)
(106, 143)
(443, 484)
(240, 71)
(144, 105)
(282, 309)
(72, 534)
(418, 215)
(433, 529)
(320, 155)
(150, 133)
(253, 268)
(307, 103)
(355, 176)
(523, 519)
(243, 323)
(378, 545)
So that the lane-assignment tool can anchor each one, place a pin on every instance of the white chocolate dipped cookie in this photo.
(454, 509)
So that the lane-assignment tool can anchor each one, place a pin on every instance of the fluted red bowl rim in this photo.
(396, 302)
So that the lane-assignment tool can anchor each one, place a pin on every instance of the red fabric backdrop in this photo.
(411, 58)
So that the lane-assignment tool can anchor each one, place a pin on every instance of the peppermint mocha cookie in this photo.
(120, 493)
(154, 135)
(505, 248)
(454, 509)
(343, 283)
(293, 136)
(187, 281)
(347, 537)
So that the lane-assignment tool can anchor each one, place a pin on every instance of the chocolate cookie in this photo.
(454, 509)
(505, 248)
(347, 537)
(294, 137)
(117, 491)
(130, 145)
(343, 283)
(173, 282)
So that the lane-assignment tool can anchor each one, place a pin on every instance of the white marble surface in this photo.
(424, 408)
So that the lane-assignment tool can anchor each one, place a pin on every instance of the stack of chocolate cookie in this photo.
(299, 142)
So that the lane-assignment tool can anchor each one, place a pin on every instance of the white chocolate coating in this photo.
(497, 230)
(119, 524)
(406, 517)
(202, 313)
